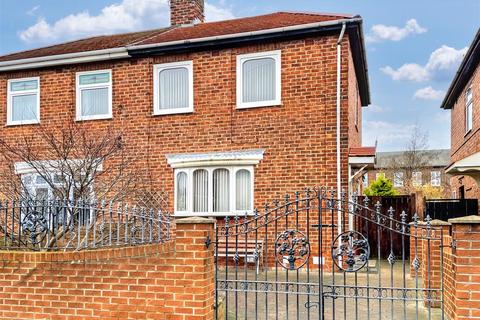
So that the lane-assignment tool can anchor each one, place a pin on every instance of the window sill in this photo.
(259, 105)
(105, 117)
(467, 133)
(212, 214)
(171, 112)
(21, 123)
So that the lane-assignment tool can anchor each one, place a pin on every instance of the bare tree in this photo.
(76, 164)
(413, 159)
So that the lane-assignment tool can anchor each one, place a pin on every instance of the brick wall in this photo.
(298, 136)
(465, 144)
(174, 280)
(186, 11)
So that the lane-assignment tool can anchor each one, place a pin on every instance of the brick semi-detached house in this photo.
(463, 99)
(224, 116)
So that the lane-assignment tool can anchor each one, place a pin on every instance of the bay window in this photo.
(214, 190)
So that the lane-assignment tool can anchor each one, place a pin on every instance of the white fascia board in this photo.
(63, 59)
(361, 160)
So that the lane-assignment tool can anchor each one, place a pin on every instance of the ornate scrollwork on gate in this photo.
(35, 225)
(292, 249)
(350, 251)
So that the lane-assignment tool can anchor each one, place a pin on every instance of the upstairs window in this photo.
(259, 79)
(436, 180)
(94, 95)
(398, 179)
(173, 88)
(468, 110)
(23, 101)
(417, 179)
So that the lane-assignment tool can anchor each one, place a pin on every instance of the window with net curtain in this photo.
(94, 95)
(173, 88)
(258, 79)
(215, 190)
(23, 101)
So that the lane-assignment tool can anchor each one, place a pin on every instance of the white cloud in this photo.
(375, 108)
(381, 32)
(128, 15)
(33, 11)
(389, 135)
(441, 64)
(428, 93)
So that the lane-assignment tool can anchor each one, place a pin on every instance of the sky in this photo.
(414, 47)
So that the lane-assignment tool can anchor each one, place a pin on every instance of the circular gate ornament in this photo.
(350, 251)
(292, 249)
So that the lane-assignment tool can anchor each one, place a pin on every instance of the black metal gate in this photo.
(309, 257)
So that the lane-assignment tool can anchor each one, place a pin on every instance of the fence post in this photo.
(465, 286)
(196, 284)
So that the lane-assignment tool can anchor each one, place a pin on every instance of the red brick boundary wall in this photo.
(174, 280)
(463, 281)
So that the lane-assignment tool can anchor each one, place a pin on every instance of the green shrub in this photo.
(381, 187)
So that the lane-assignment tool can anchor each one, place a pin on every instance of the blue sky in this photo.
(413, 47)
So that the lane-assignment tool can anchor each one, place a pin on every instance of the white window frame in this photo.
(468, 110)
(156, 72)
(11, 94)
(432, 179)
(232, 200)
(417, 175)
(79, 88)
(241, 59)
(398, 179)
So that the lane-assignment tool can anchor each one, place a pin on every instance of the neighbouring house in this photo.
(409, 171)
(224, 116)
(463, 100)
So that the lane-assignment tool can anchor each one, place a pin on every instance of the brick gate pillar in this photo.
(195, 278)
(465, 287)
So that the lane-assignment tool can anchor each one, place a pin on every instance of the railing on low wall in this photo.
(49, 225)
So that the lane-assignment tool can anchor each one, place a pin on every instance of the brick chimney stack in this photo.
(186, 11)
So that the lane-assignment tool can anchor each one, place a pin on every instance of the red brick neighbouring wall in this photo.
(174, 280)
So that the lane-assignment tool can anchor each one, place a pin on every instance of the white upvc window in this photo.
(259, 79)
(23, 101)
(417, 178)
(436, 180)
(398, 179)
(365, 180)
(173, 88)
(94, 95)
(468, 110)
(211, 191)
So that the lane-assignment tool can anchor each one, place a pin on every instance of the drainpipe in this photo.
(339, 176)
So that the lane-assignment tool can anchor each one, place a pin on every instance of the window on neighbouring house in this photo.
(379, 174)
(214, 190)
(173, 88)
(417, 178)
(435, 179)
(23, 101)
(398, 179)
(468, 110)
(259, 79)
(94, 95)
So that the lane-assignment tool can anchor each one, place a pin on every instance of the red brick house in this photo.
(463, 99)
(224, 116)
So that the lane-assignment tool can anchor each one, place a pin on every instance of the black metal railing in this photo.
(49, 225)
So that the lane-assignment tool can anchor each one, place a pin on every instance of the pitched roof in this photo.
(434, 158)
(464, 73)
(362, 151)
(176, 33)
